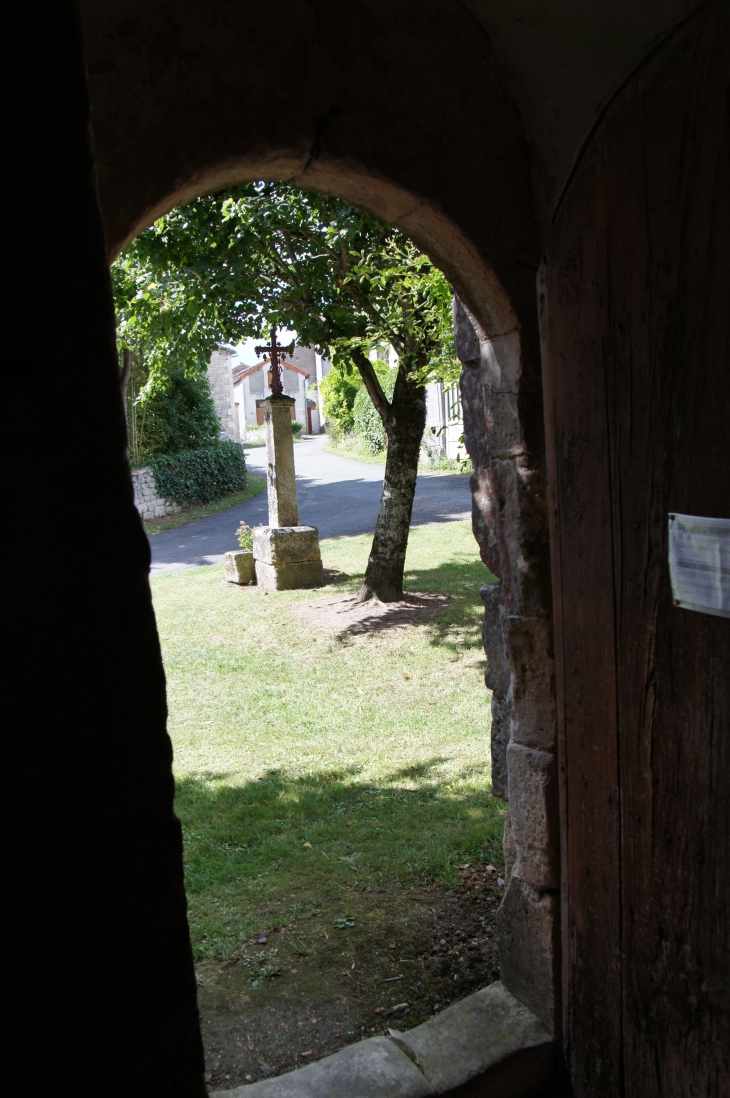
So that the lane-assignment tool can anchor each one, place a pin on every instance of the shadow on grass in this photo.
(456, 625)
(459, 625)
(258, 852)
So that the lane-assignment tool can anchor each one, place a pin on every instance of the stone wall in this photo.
(504, 434)
(146, 498)
(220, 377)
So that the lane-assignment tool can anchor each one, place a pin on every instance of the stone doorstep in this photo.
(488, 1044)
(285, 544)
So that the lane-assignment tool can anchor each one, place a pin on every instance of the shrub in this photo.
(199, 476)
(179, 417)
(333, 430)
(244, 536)
(296, 427)
(367, 423)
(339, 390)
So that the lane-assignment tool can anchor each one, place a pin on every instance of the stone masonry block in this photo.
(509, 849)
(375, 1068)
(528, 644)
(487, 1044)
(533, 797)
(497, 678)
(288, 576)
(499, 737)
(528, 927)
(285, 544)
(280, 477)
(240, 567)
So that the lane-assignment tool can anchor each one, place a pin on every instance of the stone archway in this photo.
(503, 422)
(597, 145)
(466, 202)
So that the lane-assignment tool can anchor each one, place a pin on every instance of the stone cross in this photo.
(286, 555)
(280, 477)
(277, 389)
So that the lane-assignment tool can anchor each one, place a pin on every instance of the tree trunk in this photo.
(384, 574)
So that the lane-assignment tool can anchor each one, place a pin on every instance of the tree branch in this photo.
(374, 388)
(124, 379)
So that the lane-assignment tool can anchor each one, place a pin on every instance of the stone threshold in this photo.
(488, 1044)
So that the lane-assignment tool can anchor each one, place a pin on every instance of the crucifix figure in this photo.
(277, 389)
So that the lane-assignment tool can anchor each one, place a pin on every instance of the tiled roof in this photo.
(243, 371)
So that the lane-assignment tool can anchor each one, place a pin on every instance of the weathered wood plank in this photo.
(638, 377)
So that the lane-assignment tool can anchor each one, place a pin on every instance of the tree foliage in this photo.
(229, 265)
(201, 475)
(366, 422)
(339, 390)
(179, 415)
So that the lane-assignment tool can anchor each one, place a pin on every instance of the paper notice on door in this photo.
(699, 563)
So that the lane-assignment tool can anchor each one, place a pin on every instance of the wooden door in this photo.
(637, 376)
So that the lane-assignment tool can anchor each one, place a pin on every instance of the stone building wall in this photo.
(146, 498)
(220, 378)
(503, 428)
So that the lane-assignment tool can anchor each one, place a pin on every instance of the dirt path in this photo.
(361, 965)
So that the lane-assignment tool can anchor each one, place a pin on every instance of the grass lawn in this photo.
(254, 485)
(354, 448)
(350, 447)
(310, 764)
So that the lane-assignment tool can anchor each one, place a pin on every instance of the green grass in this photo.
(355, 449)
(254, 485)
(309, 763)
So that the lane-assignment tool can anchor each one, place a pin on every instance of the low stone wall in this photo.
(149, 504)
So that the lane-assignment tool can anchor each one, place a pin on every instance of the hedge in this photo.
(199, 476)
(366, 421)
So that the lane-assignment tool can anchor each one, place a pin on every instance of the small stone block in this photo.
(532, 782)
(528, 925)
(369, 1069)
(488, 1044)
(284, 544)
(289, 576)
(240, 567)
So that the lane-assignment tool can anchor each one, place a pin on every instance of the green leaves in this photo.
(198, 476)
(229, 265)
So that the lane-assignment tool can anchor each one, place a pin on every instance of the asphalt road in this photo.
(338, 496)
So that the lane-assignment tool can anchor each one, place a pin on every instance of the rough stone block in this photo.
(533, 717)
(497, 678)
(289, 576)
(488, 1044)
(532, 779)
(240, 567)
(499, 738)
(376, 1068)
(285, 544)
(280, 477)
(508, 848)
(528, 926)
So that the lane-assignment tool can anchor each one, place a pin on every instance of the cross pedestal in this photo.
(286, 554)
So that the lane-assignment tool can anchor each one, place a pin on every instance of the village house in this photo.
(252, 385)
(239, 390)
(444, 434)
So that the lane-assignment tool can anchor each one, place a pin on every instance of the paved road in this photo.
(336, 495)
